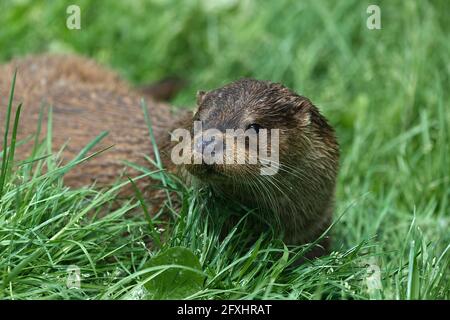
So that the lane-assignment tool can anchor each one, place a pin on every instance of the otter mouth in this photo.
(207, 172)
(215, 174)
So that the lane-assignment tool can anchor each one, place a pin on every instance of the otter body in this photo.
(88, 99)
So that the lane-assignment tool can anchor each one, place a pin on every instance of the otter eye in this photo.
(254, 126)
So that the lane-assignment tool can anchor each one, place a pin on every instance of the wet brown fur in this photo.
(302, 192)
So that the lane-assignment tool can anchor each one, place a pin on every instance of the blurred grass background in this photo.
(384, 90)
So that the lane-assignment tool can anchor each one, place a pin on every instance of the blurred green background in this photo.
(386, 91)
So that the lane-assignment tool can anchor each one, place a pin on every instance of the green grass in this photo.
(383, 90)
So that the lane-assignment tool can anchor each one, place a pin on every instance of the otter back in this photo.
(87, 99)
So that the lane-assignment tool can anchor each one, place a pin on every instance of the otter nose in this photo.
(211, 151)
(206, 143)
(201, 144)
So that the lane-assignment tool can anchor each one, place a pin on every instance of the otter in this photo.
(88, 99)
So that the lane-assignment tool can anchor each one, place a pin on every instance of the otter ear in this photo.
(200, 97)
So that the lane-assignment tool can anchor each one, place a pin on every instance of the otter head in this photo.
(295, 145)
